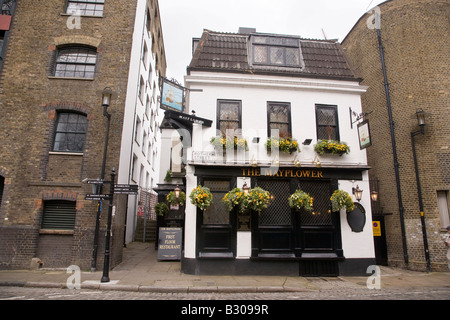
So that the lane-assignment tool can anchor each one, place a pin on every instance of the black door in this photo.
(273, 229)
(216, 227)
(379, 240)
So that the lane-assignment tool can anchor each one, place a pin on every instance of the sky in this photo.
(183, 20)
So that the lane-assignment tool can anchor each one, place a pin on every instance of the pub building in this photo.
(278, 114)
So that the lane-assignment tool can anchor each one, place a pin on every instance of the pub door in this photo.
(273, 233)
(216, 227)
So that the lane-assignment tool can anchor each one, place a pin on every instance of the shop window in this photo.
(75, 62)
(279, 119)
(86, 7)
(70, 132)
(59, 215)
(327, 122)
(228, 115)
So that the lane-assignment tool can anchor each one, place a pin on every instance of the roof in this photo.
(230, 52)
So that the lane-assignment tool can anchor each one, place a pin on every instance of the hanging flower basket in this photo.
(222, 142)
(300, 199)
(233, 199)
(173, 200)
(256, 200)
(340, 200)
(201, 197)
(332, 147)
(161, 209)
(286, 145)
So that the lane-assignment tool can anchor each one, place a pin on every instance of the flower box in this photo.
(286, 145)
(331, 147)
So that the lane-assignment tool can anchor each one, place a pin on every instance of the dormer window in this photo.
(275, 51)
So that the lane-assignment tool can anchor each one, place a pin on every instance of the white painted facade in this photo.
(254, 91)
(141, 141)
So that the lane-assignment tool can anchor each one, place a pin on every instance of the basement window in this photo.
(59, 215)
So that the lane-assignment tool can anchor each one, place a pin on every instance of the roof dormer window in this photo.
(275, 51)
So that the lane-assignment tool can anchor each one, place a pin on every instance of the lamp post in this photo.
(106, 100)
(420, 115)
(105, 276)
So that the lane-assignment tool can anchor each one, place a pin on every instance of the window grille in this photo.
(279, 117)
(321, 215)
(228, 115)
(70, 132)
(86, 7)
(59, 215)
(278, 211)
(76, 62)
(217, 213)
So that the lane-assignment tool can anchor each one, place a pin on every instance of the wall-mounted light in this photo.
(245, 188)
(177, 191)
(374, 196)
(297, 162)
(357, 192)
(307, 142)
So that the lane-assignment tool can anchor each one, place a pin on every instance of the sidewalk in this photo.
(141, 271)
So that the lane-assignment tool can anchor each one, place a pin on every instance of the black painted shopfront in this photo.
(282, 240)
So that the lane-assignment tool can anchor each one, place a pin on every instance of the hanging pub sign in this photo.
(172, 96)
(364, 134)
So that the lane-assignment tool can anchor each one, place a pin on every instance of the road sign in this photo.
(140, 211)
(98, 197)
(126, 188)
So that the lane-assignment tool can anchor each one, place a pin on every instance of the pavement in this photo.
(141, 271)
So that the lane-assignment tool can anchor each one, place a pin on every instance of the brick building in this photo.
(414, 37)
(57, 57)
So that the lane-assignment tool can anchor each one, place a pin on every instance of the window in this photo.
(444, 214)
(75, 62)
(70, 132)
(276, 51)
(327, 122)
(59, 215)
(141, 89)
(86, 7)
(228, 115)
(2, 187)
(279, 118)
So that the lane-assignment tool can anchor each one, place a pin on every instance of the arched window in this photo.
(75, 62)
(70, 132)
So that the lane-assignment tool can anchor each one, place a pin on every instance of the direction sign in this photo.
(126, 188)
(98, 197)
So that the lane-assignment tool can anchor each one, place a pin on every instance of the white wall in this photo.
(135, 106)
(303, 94)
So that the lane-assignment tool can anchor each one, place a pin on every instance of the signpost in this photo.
(169, 243)
(126, 189)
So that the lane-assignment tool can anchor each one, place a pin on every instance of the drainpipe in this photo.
(394, 150)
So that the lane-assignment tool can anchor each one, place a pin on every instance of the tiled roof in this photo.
(229, 52)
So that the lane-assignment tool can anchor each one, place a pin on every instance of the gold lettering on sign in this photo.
(288, 173)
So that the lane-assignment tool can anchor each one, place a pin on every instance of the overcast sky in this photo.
(183, 20)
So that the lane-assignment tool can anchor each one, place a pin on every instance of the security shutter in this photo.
(59, 215)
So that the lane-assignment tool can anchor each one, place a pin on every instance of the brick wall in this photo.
(29, 101)
(415, 38)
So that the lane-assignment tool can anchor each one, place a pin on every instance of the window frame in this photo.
(55, 131)
(87, 2)
(269, 122)
(239, 120)
(336, 115)
(269, 44)
(75, 49)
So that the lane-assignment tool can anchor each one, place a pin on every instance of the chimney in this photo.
(243, 30)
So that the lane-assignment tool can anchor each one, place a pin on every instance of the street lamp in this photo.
(420, 115)
(107, 95)
(357, 192)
